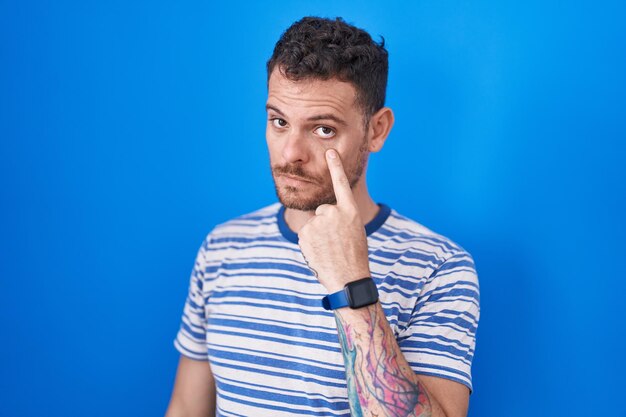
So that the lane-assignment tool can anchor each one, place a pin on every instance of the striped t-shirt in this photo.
(254, 312)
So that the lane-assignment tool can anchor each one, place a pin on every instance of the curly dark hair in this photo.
(321, 48)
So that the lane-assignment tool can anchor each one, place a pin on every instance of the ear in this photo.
(379, 127)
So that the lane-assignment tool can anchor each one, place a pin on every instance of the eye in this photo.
(325, 132)
(279, 123)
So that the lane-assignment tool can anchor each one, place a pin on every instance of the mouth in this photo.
(294, 180)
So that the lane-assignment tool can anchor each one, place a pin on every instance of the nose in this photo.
(296, 149)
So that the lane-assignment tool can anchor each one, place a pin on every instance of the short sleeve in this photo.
(441, 336)
(191, 338)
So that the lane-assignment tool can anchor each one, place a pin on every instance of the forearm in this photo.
(380, 381)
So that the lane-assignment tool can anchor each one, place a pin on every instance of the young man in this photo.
(326, 303)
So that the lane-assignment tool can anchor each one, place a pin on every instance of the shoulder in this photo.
(261, 218)
(449, 271)
(257, 225)
(405, 234)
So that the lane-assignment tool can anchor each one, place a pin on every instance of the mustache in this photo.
(295, 171)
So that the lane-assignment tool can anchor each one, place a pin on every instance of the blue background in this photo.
(129, 129)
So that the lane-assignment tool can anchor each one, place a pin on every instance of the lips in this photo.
(293, 180)
(293, 177)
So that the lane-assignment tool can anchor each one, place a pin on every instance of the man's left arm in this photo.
(379, 378)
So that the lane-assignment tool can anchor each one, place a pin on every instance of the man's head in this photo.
(322, 49)
(326, 89)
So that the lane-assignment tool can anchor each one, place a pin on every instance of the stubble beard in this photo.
(294, 198)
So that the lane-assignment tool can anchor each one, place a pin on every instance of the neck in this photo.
(368, 209)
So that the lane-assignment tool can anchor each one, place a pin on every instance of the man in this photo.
(327, 303)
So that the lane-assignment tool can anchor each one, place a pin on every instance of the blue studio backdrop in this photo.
(128, 129)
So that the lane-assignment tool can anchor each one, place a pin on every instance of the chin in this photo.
(292, 198)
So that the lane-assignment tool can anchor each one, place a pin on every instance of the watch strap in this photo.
(336, 300)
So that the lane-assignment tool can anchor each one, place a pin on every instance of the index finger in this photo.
(341, 185)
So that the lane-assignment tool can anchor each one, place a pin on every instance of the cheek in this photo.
(347, 156)
(272, 145)
(350, 158)
(268, 134)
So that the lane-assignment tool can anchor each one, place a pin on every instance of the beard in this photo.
(321, 186)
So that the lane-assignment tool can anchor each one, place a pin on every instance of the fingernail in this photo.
(332, 154)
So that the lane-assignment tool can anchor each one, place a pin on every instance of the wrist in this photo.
(355, 294)
(339, 281)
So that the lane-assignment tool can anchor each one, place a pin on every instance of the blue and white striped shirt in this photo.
(254, 312)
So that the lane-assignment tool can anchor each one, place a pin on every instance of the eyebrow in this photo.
(326, 116)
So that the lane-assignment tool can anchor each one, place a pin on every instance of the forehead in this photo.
(308, 95)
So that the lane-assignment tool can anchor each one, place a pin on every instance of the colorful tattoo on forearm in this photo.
(379, 379)
(349, 356)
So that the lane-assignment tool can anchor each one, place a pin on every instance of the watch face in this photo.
(362, 293)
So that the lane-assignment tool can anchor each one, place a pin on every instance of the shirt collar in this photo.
(371, 227)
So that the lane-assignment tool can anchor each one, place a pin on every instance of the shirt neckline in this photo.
(371, 227)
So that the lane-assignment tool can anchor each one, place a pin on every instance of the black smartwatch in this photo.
(355, 294)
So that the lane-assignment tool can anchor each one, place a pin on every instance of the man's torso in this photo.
(273, 349)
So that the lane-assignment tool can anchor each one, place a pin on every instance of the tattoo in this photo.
(379, 378)
(349, 356)
(315, 274)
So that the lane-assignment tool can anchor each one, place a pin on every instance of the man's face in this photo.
(304, 118)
